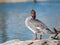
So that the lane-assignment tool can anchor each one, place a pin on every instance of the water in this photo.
(13, 15)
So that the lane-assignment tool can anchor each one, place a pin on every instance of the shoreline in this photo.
(32, 42)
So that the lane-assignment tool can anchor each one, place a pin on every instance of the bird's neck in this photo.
(33, 18)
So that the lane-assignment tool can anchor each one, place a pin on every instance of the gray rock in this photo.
(32, 42)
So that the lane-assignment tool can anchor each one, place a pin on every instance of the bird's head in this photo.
(33, 14)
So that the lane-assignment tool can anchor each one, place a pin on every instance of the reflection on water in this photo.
(13, 15)
(3, 27)
(12, 27)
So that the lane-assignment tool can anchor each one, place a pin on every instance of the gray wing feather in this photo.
(38, 23)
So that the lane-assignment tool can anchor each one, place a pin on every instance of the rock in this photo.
(32, 42)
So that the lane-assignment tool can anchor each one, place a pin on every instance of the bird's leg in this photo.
(40, 36)
(35, 37)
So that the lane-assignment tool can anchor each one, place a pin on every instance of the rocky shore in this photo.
(32, 42)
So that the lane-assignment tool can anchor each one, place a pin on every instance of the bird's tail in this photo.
(51, 32)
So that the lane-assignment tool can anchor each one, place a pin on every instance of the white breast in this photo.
(27, 24)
